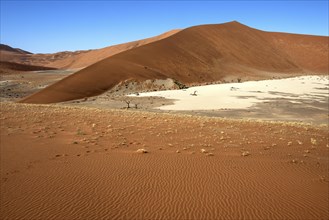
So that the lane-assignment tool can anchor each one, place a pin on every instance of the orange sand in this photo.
(78, 163)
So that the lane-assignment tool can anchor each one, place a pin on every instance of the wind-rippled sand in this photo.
(81, 163)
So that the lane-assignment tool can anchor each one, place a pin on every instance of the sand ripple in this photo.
(164, 187)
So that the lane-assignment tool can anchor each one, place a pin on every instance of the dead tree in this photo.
(128, 103)
(194, 93)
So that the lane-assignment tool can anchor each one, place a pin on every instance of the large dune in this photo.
(76, 59)
(199, 54)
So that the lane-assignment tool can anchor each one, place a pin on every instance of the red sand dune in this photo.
(77, 59)
(308, 52)
(198, 54)
(7, 48)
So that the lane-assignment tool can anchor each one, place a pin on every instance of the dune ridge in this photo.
(200, 54)
(76, 59)
(4, 47)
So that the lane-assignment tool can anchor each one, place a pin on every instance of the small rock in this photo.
(203, 151)
(323, 178)
(245, 153)
(210, 154)
(313, 141)
(289, 143)
(143, 151)
(178, 151)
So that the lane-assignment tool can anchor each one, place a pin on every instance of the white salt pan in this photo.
(246, 94)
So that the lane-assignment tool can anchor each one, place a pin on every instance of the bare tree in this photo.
(128, 103)
(194, 93)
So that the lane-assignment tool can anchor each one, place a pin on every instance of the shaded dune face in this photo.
(7, 67)
(199, 54)
(8, 49)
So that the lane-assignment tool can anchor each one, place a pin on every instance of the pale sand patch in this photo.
(245, 95)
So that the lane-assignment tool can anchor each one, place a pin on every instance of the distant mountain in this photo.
(200, 54)
(4, 47)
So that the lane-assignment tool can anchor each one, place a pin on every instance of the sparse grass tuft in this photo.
(80, 132)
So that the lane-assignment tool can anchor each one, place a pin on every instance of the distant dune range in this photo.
(72, 60)
(199, 54)
(7, 49)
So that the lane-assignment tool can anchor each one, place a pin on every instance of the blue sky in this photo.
(52, 26)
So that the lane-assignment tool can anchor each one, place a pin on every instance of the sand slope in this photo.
(198, 54)
(77, 59)
(4, 47)
(308, 52)
(78, 163)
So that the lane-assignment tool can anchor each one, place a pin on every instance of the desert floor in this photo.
(79, 160)
(81, 163)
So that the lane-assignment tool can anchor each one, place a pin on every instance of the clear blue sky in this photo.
(51, 26)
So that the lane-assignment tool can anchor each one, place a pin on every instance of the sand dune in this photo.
(196, 55)
(77, 59)
(80, 163)
(308, 52)
(7, 48)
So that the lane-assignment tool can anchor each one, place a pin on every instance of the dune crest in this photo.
(73, 60)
